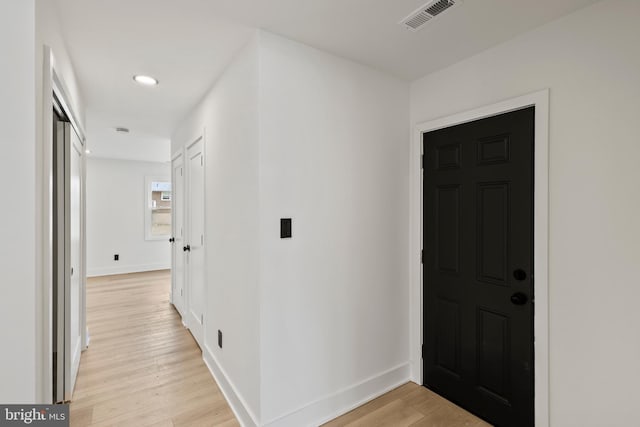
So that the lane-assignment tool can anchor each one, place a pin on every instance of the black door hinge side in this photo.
(422, 161)
(422, 351)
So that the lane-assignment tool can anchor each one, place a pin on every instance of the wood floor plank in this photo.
(408, 405)
(396, 413)
(142, 368)
(371, 406)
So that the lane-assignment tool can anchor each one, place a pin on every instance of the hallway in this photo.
(142, 367)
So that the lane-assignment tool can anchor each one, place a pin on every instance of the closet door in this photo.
(177, 239)
(194, 245)
(68, 280)
(74, 290)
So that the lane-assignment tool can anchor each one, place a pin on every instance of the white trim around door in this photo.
(52, 84)
(540, 100)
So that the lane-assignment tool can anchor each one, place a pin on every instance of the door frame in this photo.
(52, 83)
(65, 150)
(540, 100)
(177, 156)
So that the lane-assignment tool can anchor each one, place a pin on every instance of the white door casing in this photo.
(54, 97)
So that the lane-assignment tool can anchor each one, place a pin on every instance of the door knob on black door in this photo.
(519, 298)
(519, 274)
(186, 248)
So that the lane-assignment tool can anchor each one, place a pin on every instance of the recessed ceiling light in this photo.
(122, 130)
(145, 80)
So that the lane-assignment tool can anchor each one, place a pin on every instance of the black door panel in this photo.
(478, 261)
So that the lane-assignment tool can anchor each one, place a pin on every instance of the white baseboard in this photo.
(343, 401)
(315, 413)
(125, 269)
(242, 412)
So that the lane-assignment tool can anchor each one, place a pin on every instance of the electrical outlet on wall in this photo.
(116, 257)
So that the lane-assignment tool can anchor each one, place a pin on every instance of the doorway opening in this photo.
(67, 261)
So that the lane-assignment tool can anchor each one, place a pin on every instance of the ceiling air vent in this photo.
(426, 13)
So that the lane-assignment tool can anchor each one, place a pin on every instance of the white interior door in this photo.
(73, 344)
(177, 253)
(194, 242)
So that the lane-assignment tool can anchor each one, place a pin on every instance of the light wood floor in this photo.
(142, 367)
(408, 405)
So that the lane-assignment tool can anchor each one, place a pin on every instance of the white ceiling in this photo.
(187, 43)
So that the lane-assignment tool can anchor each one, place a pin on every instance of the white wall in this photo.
(229, 115)
(334, 298)
(116, 201)
(590, 62)
(17, 232)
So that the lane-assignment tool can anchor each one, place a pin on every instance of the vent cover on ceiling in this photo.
(426, 13)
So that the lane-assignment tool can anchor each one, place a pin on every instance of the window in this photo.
(157, 208)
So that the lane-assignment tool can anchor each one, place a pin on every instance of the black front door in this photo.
(478, 266)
